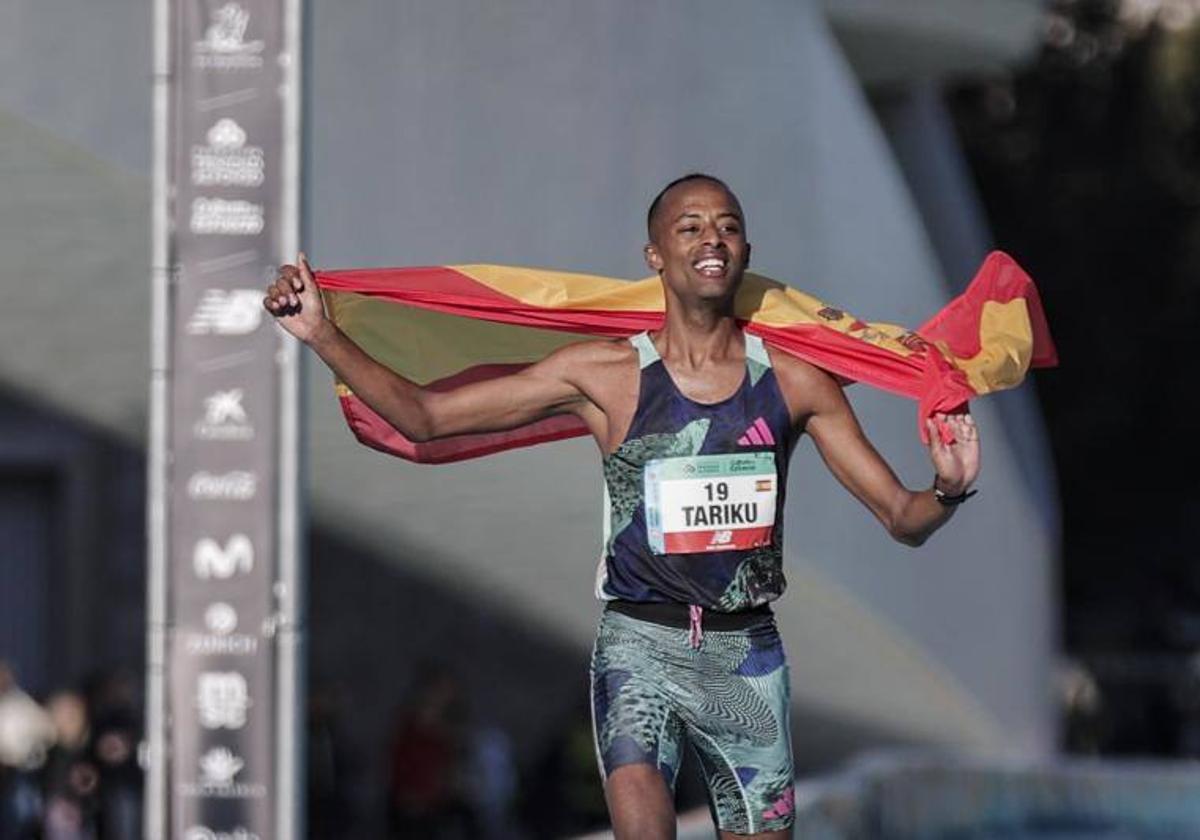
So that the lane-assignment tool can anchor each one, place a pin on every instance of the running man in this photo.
(695, 423)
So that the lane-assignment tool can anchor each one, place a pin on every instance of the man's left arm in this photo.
(910, 516)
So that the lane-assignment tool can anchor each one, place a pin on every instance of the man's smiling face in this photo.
(698, 241)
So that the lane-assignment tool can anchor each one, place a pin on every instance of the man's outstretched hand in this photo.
(295, 300)
(956, 462)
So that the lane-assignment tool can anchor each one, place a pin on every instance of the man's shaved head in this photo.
(656, 205)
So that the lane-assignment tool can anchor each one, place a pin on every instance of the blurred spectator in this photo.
(329, 812)
(1186, 691)
(71, 779)
(1081, 705)
(428, 764)
(492, 782)
(566, 796)
(116, 729)
(26, 733)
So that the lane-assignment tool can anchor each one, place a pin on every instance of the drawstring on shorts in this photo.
(695, 630)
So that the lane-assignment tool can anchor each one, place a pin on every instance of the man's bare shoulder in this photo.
(592, 354)
(604, 372)
(806, 387)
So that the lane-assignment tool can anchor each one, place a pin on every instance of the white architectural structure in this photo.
(534, 132)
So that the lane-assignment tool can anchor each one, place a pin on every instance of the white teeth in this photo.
(709, 263)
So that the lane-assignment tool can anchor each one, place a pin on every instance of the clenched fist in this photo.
(295, 300)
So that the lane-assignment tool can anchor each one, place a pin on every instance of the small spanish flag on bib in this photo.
(445, 326)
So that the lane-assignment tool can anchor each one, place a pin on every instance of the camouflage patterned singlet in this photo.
(707, 537)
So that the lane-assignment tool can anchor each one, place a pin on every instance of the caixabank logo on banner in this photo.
(225, 419)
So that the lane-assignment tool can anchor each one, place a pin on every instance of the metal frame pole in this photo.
(157, 467)
(290, 587)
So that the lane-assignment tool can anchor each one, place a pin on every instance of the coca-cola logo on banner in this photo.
(232, 486)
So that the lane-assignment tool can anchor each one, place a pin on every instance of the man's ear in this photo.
(748, 250)
(653, 258)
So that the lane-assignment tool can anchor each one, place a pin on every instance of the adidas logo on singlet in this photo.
(758, 434)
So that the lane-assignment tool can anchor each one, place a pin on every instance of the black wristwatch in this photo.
(948, 500)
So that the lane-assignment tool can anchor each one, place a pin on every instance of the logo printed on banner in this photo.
(224, 417)
(218, 766)
(227, 161)
(234, 486)
(231, 217)
(200, 832)
(225, 46)
(212, 560)
(222, 699)
(227, 312)
(221, 620)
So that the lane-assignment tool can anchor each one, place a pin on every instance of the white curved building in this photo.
(536, 132)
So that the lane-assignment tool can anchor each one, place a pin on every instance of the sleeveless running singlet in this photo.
(694, 496)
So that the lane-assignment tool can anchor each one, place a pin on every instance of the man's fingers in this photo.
(935, 435)
(305, 268)
(279, 294)
(283, 295)
(966, 428)
(290, 277)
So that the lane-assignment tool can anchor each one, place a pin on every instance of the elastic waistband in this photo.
(672, 614)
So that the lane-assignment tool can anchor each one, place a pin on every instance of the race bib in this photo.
(710, 502)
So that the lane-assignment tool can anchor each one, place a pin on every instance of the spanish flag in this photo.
(445, 326)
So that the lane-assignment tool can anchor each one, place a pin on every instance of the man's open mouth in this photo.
(710, 266)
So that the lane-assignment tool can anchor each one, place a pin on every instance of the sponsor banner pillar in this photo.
(224, 641)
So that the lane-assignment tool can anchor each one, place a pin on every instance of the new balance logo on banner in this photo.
(227, 312)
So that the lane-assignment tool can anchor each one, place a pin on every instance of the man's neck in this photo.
(695, 336)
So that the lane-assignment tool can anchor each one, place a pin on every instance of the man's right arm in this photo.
(539, 391)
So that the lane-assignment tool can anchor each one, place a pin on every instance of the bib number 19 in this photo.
(721, 492)
(710, 502)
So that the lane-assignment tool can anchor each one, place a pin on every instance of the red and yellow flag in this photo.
(445, 326)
